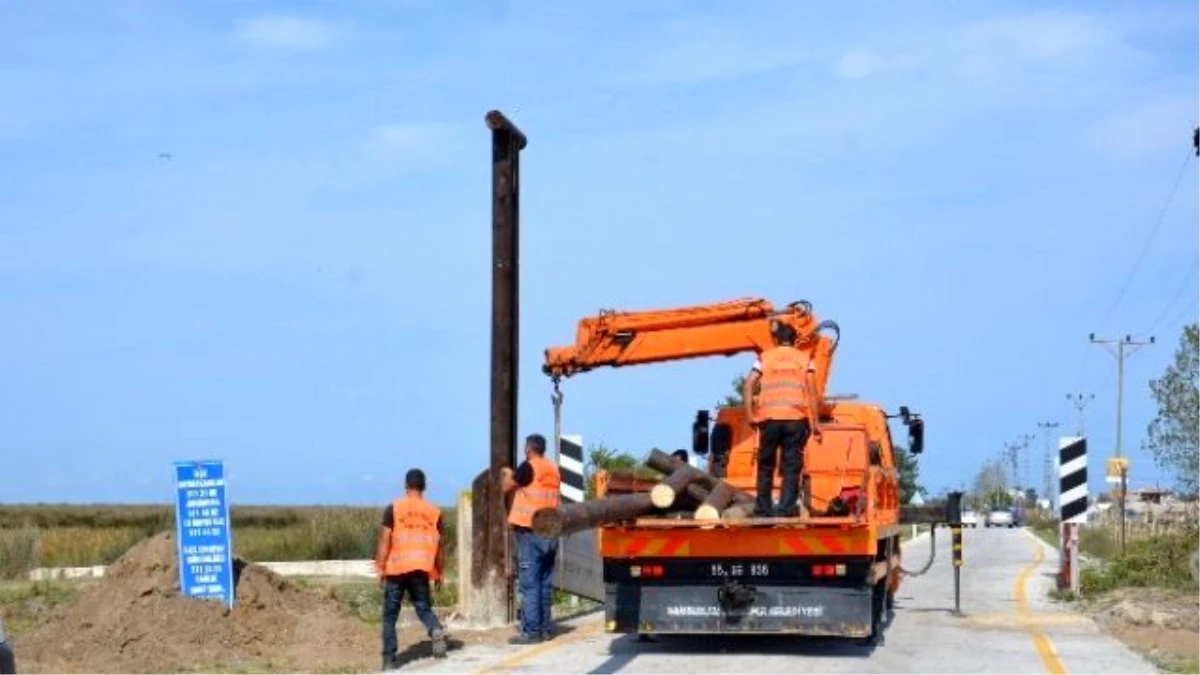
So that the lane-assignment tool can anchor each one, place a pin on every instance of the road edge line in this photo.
(543, 648)
(1041, 642)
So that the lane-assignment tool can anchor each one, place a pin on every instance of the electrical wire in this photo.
(1183, 286)
(1158, 221)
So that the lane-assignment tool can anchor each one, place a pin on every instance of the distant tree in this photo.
(906, 464)
(991, 486)
(1030, 495)
(736, 398)
(600, 456)
(1173, 436)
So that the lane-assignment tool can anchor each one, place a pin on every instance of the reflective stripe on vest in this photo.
(415, 537)
(782, 389)
(542, 493)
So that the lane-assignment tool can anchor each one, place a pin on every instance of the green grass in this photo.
(25, 602)
(1162, 561)
(77, 536)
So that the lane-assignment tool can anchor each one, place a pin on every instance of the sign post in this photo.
(203, 530)
(1072, 503)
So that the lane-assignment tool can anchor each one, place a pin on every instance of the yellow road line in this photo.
(543, 648)
(1041, 643)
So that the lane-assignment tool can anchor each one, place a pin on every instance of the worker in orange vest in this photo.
(784, 417)
(536, 483)
(408, 556)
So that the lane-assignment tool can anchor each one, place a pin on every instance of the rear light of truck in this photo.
(646, 571)
(829, 570)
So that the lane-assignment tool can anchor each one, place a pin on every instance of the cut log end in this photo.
(662, 496)
(707, 512)
(735, 513)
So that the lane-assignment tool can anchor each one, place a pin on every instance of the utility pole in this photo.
(1014, 454)
(1125, 347)
(1048, 491)
(1081, 401)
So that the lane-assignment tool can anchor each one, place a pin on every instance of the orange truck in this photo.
(831, 571)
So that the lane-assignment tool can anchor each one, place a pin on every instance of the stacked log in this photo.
(685, 491)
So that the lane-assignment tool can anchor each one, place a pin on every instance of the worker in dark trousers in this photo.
(784, 416)
(536, 483)
(408, 556)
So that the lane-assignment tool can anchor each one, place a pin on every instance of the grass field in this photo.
(79, 535)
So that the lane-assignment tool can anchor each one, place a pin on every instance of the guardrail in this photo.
(307, 568)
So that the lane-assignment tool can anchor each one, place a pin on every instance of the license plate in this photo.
(739, 570)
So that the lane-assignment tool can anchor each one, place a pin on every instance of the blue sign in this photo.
(203, 529)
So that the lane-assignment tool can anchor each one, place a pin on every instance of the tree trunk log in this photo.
(720, 497)
(663, 495)
(571, 518)
(661, 461)
(737, 512)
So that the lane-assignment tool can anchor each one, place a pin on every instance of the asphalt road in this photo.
(1009, 625)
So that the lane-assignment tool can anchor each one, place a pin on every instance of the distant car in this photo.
(999, 518)
(8, 662)
(970, 519)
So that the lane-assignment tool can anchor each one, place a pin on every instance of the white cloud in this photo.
(1151, 128)
(697, 51)
(289, 32)
(855, 64)
(415, 142)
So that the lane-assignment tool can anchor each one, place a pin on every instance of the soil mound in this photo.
(137, 621)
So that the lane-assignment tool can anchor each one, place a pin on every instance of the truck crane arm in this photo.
(625, 338)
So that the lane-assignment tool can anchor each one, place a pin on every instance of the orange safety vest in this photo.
(782, 388)
(543, 492)
(415, 537)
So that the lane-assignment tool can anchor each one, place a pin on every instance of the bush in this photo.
(1164, 561)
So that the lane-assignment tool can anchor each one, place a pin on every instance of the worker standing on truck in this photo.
(409, 554)
(536, 482)
(784, 418)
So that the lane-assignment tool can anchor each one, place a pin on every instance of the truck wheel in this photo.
(878, 600)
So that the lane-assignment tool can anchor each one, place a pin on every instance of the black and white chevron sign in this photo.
(570, 466)
(1072, 479)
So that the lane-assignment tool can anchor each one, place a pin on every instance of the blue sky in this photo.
(303, 287)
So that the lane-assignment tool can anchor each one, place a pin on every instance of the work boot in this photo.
(524, 639)
(390, 663)
(439, 643)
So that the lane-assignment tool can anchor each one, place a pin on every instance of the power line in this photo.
(1081, 401)
(1158, 221)
(1183, 286)
(1047, 465)
(1126, 347)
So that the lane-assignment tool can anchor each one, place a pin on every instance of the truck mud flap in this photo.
(800, 610)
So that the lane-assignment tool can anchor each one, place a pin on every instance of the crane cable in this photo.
(557, 399)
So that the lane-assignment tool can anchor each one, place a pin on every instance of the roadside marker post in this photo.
(570, 466)
(202, 529)
(954, 516)
(578, 569)
(1072, 505)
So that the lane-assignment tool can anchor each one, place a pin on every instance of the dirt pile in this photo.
(137, 621)
(1163, 624)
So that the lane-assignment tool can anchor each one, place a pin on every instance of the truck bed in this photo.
(750, 538)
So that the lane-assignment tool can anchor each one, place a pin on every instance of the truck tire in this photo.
(878, 600)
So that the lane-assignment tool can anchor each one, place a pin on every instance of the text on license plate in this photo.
(740, 570)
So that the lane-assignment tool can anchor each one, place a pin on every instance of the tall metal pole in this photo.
(1047, 485)
(507, 143)
(1081, 401)
(1125, 347)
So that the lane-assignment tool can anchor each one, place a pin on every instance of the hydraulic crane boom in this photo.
(623, 338)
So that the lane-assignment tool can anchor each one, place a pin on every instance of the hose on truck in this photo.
(932, 554)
